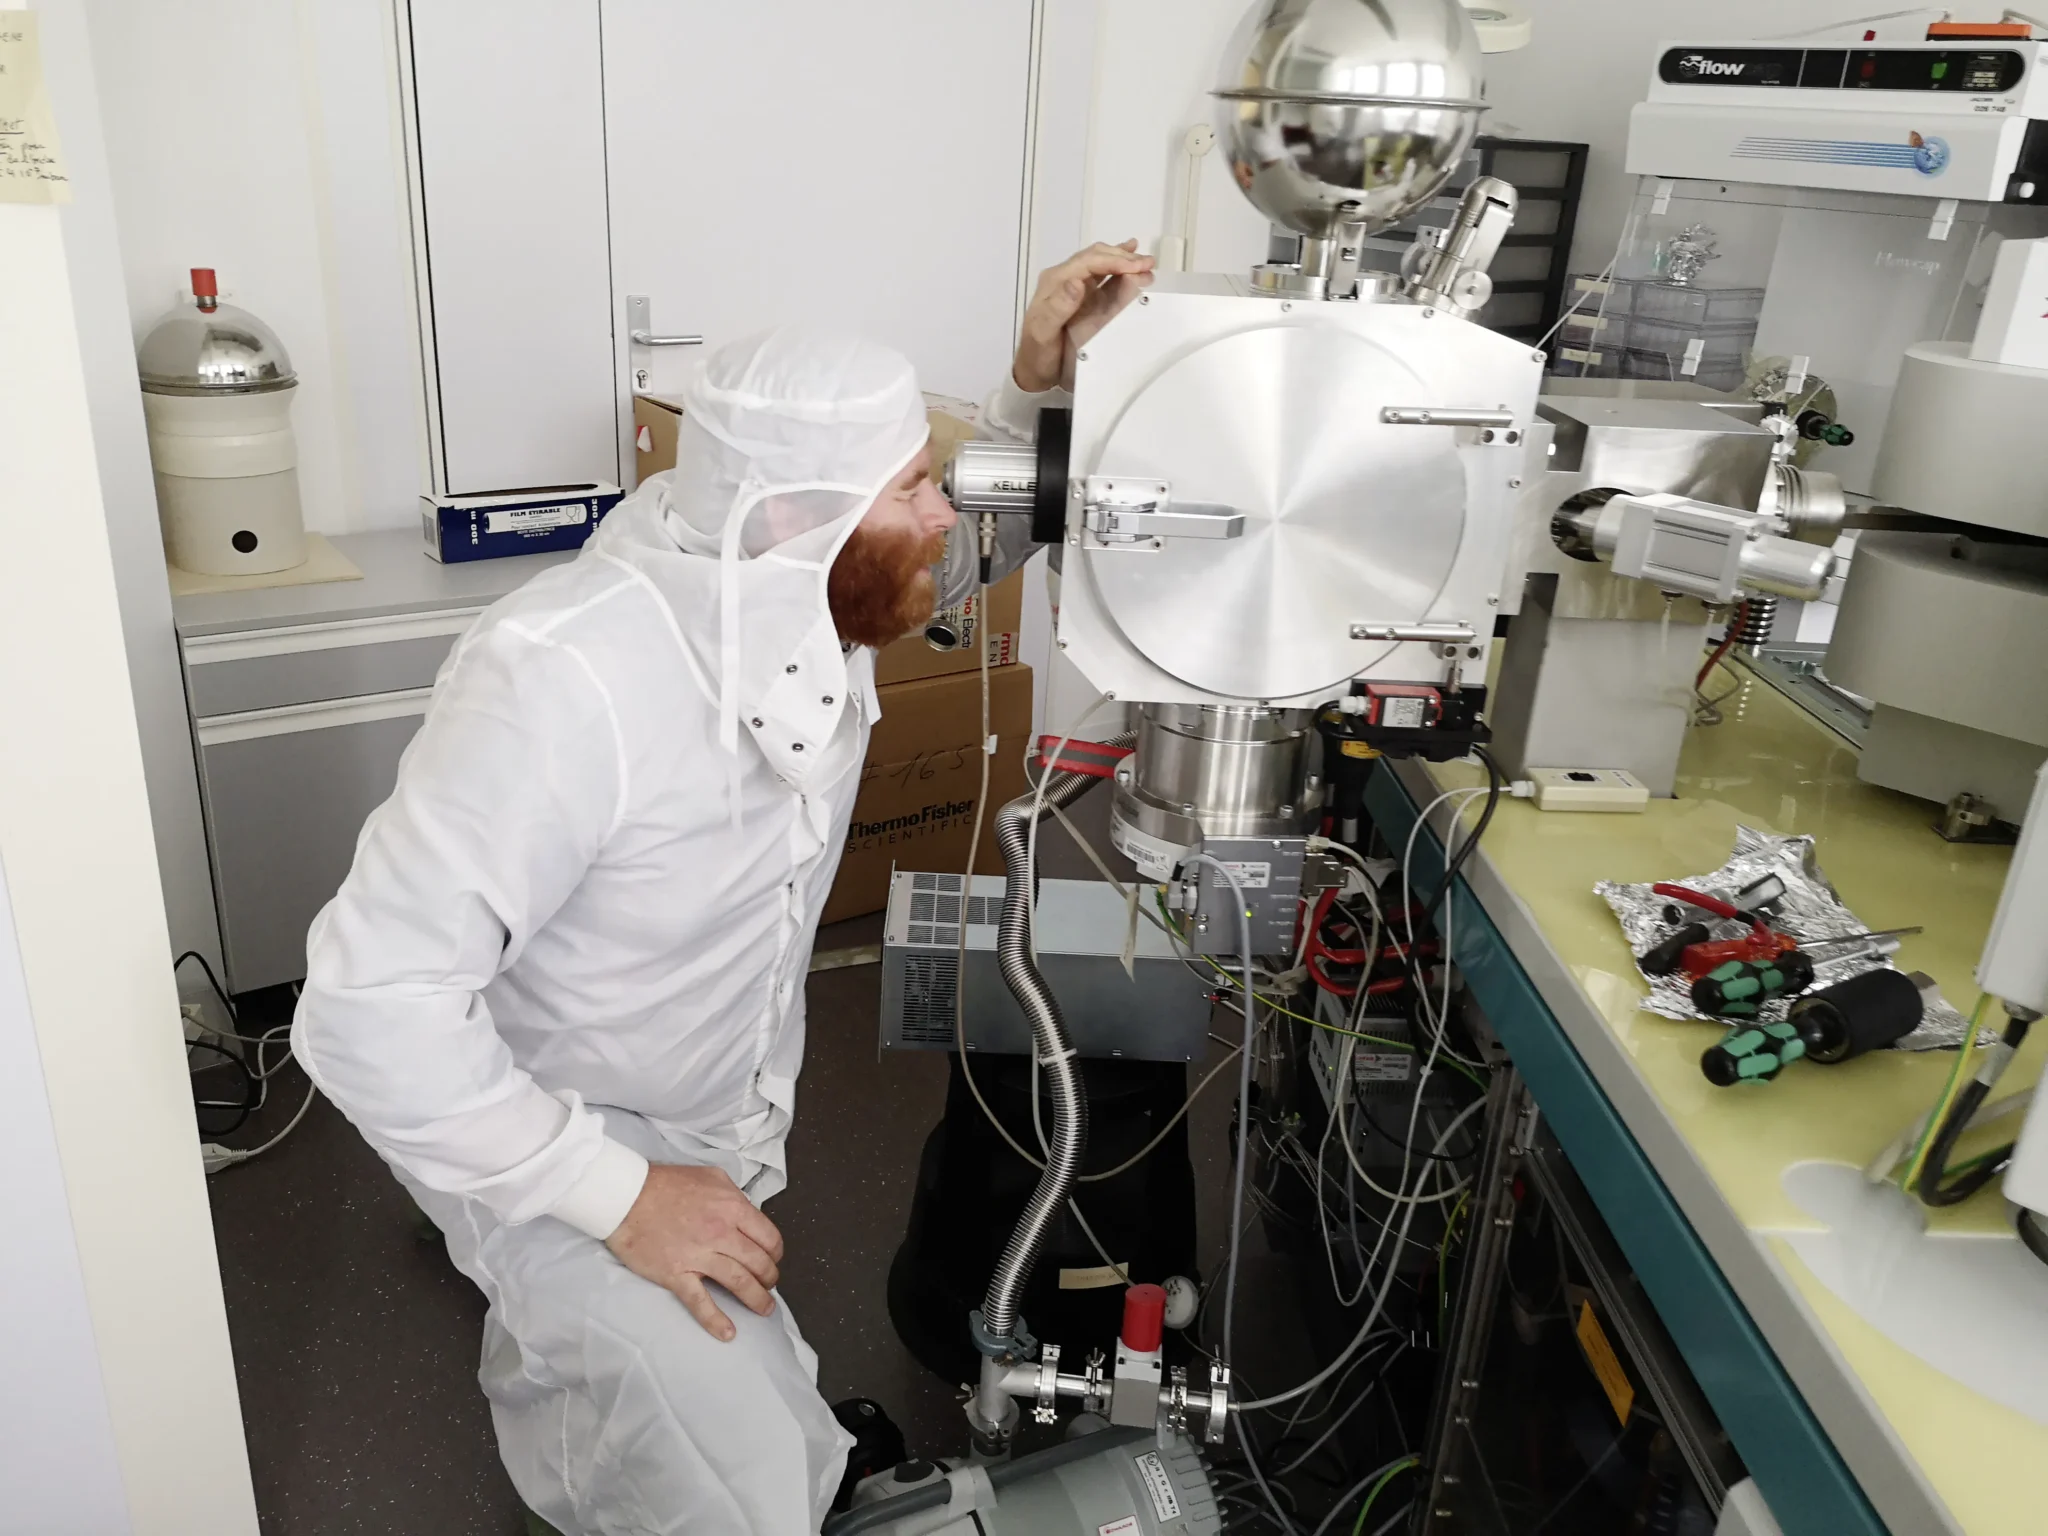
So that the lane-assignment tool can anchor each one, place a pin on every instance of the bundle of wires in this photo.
(1927, 1172)
(1707, 711)
(1342, 968)
(1420, 1167)
(254, 1080)
(1338, 962)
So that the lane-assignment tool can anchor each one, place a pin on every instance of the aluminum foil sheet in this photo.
(1809, 910)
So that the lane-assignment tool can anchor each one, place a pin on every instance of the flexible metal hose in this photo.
(1069, 1140)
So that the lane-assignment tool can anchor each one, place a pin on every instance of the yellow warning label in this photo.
(1600, 1355)
(1359, 749)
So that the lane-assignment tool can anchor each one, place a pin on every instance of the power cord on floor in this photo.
(213, 1156)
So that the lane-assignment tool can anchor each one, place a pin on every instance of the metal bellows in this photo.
(1344, 113)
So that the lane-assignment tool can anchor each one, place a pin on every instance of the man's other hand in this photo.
(691, 1225)
(1073, 301)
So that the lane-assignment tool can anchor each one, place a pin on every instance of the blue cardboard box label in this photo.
(488, 528)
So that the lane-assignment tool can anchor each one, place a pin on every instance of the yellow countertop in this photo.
(1771, 766)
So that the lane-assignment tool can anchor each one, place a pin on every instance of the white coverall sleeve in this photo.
(503, 802)
(1008, 415)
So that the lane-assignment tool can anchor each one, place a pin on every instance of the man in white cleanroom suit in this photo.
(561, 991)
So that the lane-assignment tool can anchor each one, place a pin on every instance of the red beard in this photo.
(880, 587)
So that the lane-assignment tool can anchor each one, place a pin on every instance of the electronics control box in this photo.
(1155, 1008)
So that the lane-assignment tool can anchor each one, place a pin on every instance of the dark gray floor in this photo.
(356, 1341)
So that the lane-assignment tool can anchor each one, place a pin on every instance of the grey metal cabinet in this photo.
(303, 699)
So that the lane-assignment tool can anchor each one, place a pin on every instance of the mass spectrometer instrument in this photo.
(1282, 506)
(1288, 510)
(1275, 493)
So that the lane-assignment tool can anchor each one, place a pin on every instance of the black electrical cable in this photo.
(1495, 783)
(1931, 1189)
(1435, 1157)
(2031, 1232)
(212, 980)
(251, 1090)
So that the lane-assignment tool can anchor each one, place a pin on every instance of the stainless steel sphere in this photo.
(225, 351)
(1338, 113)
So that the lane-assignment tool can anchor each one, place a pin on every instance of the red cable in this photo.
(1316, 950)
(1333, 988)
(1699, 684)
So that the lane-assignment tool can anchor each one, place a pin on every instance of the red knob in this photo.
(203, 284)
(1144, 1317)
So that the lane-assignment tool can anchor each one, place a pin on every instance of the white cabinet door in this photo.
(861, 164)
(506, 129)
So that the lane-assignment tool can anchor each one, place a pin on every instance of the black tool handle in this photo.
(1661, 958)
(1864, 1013)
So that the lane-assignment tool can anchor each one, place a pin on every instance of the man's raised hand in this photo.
(1072, 302)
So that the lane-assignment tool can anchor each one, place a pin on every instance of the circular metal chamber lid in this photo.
(1345, 113)
(223, 351)
(1345, 517)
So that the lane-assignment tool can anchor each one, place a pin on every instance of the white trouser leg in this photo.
(616, 1413)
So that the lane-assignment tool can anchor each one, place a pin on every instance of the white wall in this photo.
(93, 258)
(1156, 62)
(1590, 62)
(88, 914)
(59, 1468)
(1121, 83)
(260, 138)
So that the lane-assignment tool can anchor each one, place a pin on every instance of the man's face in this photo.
(881, 586)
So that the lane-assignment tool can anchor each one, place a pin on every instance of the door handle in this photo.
(640, 326)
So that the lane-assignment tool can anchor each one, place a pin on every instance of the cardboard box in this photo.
(915, 809)
(914, 656)
(654, 434)
(527, 522)
(655, 418)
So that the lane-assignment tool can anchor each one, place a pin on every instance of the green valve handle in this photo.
(1752, 1053)
(1740, 988)
(1819, 427)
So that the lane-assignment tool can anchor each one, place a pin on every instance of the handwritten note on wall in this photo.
(31, 167)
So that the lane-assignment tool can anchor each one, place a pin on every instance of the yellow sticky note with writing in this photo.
(31, 165)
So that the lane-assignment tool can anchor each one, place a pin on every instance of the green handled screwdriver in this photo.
(1752, 1053)
(1740, 988)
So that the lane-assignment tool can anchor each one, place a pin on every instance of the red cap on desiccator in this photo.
(203, 284)
(1144, 1317)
